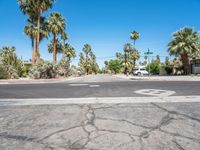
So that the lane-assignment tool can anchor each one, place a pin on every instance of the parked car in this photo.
(140, 71)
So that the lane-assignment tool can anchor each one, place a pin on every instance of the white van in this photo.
(140, 71)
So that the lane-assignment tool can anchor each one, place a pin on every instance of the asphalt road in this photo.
(137, 123)
(97, 86)
(149, 126)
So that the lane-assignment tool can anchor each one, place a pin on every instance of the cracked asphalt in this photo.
(153, 126)
(123, 126)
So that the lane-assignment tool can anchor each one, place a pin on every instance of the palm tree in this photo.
(59, 48)
(82, 62)
(184, 44)
(134, 56)
(56, 25)
(64, 37)
(87, 49)
(93, 63)
(31, 31)
(134, 36)
(69, 51)
(127, 49)
(35, 8)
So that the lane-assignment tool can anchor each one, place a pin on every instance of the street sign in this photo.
(148, 53)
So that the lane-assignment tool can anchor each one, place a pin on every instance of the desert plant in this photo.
(56, 26)
(3, 73)
(154, 67)
(114, 66)
(134, 36)
(43, 70)
(34, 8)
(87, 61)
(10, 62)
(169, 70)
(185, 44)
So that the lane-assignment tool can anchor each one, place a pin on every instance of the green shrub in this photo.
(43, 70)
(10, 62)
(114, 66)
(3, 73)
(168, 70)
(25, 71)
(154, 67)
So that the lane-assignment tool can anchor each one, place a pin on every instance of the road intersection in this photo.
(100, 113)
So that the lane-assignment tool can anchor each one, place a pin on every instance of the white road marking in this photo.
(78, 84)
(92, 86)
(96, 100)
(155, 92)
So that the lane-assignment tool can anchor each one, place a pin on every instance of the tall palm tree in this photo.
(35, 8)
(31, 31)
(134, 36)
(87, 49)
(56, 25)
(184, 44)
(64, 37)
(69, 51)
(59, 48)
(93, 63)
(127, 49)
(134, 56)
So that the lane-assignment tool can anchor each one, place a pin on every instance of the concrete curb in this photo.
(42, 81)
(159, 78)
(99, 100)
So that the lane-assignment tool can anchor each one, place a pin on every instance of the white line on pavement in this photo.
(93, 86)
(78, 84)
(95, 100)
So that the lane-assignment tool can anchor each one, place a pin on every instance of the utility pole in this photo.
(148, 53)
(149, 62)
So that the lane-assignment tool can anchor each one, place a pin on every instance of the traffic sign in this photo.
(148, 53)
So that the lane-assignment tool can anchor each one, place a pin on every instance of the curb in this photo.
(48, 81)
(99, 100)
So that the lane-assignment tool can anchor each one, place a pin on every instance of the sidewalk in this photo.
(36, 81)
(159, 78)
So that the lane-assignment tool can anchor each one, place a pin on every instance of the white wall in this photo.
(197, 70)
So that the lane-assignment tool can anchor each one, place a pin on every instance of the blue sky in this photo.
(105, 24)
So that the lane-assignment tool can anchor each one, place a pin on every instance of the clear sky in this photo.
(105, 24)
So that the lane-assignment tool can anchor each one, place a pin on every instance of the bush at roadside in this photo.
(43, 70)
(10, 63)
(154, 67)
(169, 70)
(3, 73)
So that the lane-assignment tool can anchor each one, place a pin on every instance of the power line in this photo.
(112, 57)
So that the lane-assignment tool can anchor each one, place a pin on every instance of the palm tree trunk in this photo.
(54, 49)
(38, 38)
(126, 69)
(33, 53)
(133, 67)
(186, 64)
(87, 64)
